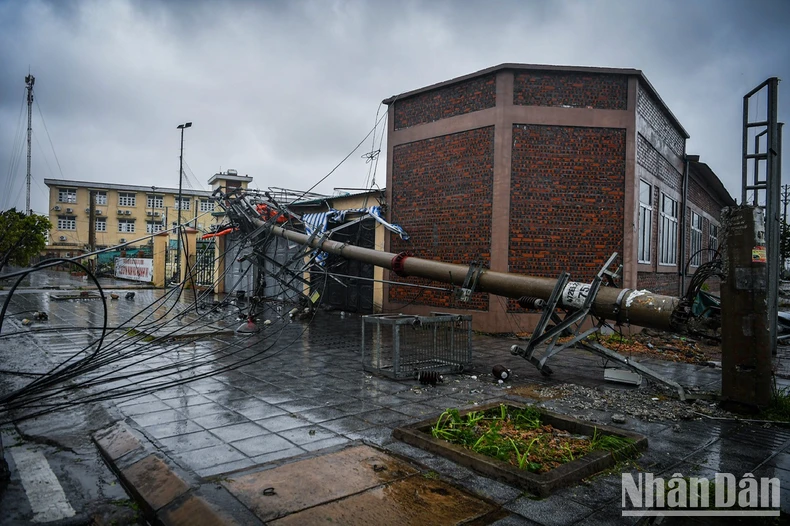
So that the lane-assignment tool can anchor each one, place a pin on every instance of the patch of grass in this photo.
(779, 409)
(432, 475)
(518, 436)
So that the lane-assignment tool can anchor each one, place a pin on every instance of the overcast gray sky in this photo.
(283, 91)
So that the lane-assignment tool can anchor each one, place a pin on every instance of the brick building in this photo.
(543, 169)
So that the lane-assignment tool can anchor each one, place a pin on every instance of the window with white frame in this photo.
(100, 198)
(713, 237)
(155, 201)
(152, 227)
(183, 204)
(101, 224)
(645, 221)
(668, 249)
(67, 222)
(127, 199)
(126, 225)
(696, 239)
(67, 195)
(206, 205)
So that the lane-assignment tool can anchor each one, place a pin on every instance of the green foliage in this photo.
(779, 409)
(22, 237)
(519, 436)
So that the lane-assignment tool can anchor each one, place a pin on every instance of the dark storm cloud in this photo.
(283, 90)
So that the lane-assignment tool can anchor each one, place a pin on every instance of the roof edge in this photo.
(546, 67)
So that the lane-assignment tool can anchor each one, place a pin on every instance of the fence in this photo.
(402, 346)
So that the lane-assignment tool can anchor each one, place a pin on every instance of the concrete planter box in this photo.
(544, 484)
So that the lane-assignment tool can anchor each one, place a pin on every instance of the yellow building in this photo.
(125, 213)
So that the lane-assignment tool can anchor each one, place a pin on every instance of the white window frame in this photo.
(645, 244)
(696, 239)
(206, 205)
(155, 201)
(67, 195)
(183, 203)
(101, 198)
(127, 199)
(152, 227)
(67, 222)
(126, 226)
(713, 238)
(100, 224)
(668, 242)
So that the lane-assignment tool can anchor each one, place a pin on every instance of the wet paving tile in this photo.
(604, 490)
(325, 443)
(260, 445)
(173, 428)
(159, 417)
(278, 398)
(220, 419)
(552, 511)
(225, 468)
(186, 401)
(281, 423)
(772, 439)
(232, 433)
(210, 456)
(303, 435)
(190, 441)
(257, 410)
(142, 408)
(377, 435)
(727, 456)
(346, 424)
(278, 455)
(197, 411)
(384, 417)
(322, 414)
(303, 404)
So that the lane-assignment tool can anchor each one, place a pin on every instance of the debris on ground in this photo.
(658, 344)
(646, 404)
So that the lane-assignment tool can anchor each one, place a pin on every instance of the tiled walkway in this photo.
(302, 389)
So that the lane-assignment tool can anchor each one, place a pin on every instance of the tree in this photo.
(21, 237)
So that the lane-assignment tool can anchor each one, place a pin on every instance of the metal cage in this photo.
(401, 346)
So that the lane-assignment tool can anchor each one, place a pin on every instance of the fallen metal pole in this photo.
(624, 306)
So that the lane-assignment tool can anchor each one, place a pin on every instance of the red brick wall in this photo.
(577, 90)
(567, 200)
(659, 282)
(442, 189)
(465, 97)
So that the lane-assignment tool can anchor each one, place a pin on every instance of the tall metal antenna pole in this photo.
(29, 81)
(177, 273)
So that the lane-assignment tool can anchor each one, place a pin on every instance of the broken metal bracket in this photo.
(597, 348)
(572, 323)
(476, 269)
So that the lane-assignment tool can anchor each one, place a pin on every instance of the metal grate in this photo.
(400, 346)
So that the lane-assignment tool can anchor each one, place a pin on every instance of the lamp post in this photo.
(177, 273)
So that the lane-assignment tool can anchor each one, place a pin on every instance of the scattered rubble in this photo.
(649, 405)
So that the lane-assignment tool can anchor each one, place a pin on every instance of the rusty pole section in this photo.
(641, 308)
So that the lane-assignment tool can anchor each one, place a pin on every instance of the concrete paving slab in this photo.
(154, 481)
(118, 441)
(194, 512)
(411, 501)
(303, 484)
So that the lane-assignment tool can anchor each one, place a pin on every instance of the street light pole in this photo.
(177, 273)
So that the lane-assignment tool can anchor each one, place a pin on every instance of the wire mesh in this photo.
(401, 346)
